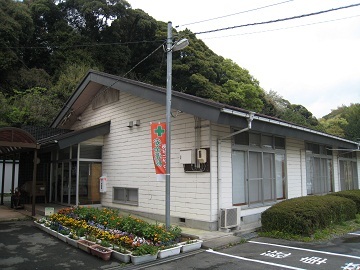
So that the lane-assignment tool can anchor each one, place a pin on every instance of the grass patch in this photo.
(319, 235)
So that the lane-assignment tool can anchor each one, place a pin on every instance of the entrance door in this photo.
(89, 182)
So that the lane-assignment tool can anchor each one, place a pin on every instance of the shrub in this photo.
(304, 215)
(352, 195)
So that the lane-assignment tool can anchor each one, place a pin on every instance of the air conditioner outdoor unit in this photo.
(229, 217)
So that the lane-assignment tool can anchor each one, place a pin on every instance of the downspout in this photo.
(250, 118)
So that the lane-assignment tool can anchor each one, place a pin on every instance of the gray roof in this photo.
(216, 112)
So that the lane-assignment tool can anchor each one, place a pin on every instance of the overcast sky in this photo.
(312, 61)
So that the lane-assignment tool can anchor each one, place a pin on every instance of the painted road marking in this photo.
(252, 260)
(305, 249)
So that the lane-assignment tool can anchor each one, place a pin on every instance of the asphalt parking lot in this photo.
(264, 253)
(23, 246)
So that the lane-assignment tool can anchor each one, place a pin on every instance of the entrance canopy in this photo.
(15, 139)
(33, 139)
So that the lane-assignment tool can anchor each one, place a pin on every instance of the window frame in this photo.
(318, 154)
(126, 200)
(262, 149)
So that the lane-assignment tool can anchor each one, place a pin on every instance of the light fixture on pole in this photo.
(169, 49)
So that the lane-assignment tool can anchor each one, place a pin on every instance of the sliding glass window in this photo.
(348, 170)
(258, 169)
(319, 169)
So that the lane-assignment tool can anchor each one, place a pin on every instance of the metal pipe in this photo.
(168, 123)
(250, 118)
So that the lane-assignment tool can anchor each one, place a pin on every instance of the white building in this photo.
(248, 161)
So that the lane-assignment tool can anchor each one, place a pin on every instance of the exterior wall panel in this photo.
(296, 168)
(126, 167)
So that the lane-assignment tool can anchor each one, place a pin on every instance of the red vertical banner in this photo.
(158, 145)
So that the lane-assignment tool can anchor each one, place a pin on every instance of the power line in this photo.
(142, 60)
(237, 13)
(83, 45)
(285, 28)
(278, 20)
(109, 86)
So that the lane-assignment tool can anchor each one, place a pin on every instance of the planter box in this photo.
(169, 252)
(53, 233)
(191, 246)
(62, 237)
(143, 259)
(72, 242)
(121, 256)
(39, 225)
(46, 229)
(101, 252)
(85, 245)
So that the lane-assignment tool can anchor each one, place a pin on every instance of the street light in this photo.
(169, 49)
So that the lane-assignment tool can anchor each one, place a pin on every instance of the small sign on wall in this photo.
(49, 211)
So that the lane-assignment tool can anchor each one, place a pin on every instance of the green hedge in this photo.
(304, 215)
(352, 195)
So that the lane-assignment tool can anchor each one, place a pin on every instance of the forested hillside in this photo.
(47, 46)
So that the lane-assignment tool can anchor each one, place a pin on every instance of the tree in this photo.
(352, 116)
(343, 121)
(68, 80)
(334, 126)
(16, 29)
(32, 107)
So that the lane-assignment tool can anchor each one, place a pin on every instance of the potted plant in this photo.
(105, 243)
(144, 253)
(81, 232)
(63, 233)
(120, 253)
(101, 252)
(90, 238)
(40, 223)
(169, 250)
(84, 245)
(190, 245)
(54, 227)
(72, 239)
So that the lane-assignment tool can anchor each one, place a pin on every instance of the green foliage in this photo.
(32, 107)
(343, 121)
(52, 44)
(145, 249)
(353, 195)
(334, 126)
(304, 215)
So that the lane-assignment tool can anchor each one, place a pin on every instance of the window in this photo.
(90, 151)
(258, 173)
(319, 169)
(348, 174)
(259, 140)
(125, 195)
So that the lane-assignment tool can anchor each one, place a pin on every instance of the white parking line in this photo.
(252, 260)
(305, 249)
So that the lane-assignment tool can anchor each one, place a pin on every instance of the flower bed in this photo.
(108, 229)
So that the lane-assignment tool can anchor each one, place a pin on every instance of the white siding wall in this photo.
(225, 168)
(127, 159)
(9, 175)
(296, 168)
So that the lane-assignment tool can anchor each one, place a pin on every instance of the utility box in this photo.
(187, 157)
(201, 155)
